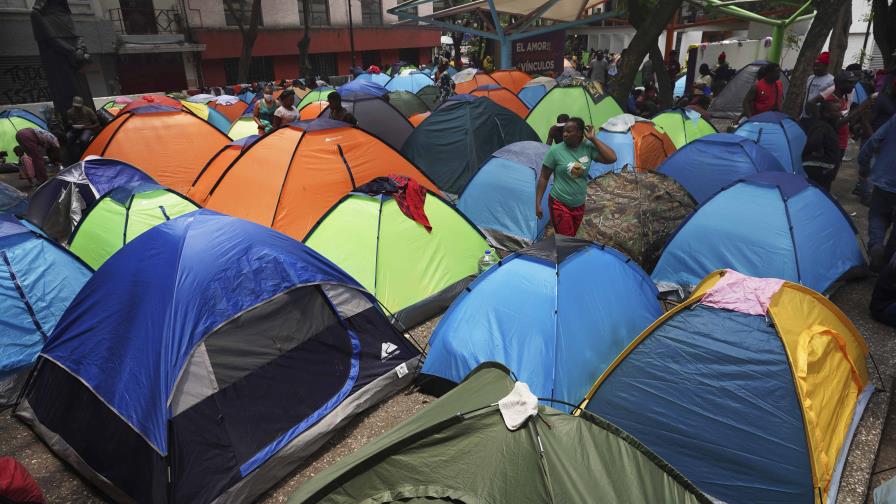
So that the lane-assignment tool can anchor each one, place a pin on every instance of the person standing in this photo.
(673, 67)
(599, 68)
(445, 83)
(881, 147)
(286, 112)
(38, 143)
(842, 94)
(555, 134)
(822, 151)
(264, 110)
(766, 94)
(569, 163)
(721, 74)
(817, 82)
(82, 123)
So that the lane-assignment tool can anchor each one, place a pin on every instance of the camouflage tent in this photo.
(635, 213)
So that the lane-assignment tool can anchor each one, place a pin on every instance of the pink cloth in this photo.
(741, 293)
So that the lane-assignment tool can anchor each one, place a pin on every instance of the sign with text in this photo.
(540, 54)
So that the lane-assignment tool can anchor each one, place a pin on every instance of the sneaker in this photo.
(876, 255)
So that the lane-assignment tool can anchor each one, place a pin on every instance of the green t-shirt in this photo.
(568, 189)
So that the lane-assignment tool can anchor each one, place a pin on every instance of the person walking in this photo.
(569, 162)
(38, 143)
(822, 151)
(881, 148)
(599, 67)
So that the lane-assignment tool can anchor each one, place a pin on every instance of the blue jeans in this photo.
(880, 218)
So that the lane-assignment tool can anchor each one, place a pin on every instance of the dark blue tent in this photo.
(360, 88)
(780, 135)
(59, 203)
(459, 136)
(559, 312)
(12, 200)
(713, 162)
(206, 359)
(38, 280)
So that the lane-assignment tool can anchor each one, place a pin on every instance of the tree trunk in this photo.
(305, 43)
(840, 38)
(458, 39)
(249, 34)
(664, 85)
(884, 25)
(825, 17)
(650, 22)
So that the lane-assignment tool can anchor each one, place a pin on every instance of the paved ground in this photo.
(61, 484)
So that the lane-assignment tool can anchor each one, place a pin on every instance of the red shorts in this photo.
(566, 220)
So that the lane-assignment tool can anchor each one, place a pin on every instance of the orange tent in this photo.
(478, 80)
(312, 110)
(146, 100)
(233, 111)
(514, 80)
(169, 144)
(214, 169)
(503, 97)
(416, 119)
(304, 174)
(652, 146)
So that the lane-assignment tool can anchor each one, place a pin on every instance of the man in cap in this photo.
(83, 125)
(818, 81)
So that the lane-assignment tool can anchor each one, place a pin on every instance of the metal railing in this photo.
(131, 21)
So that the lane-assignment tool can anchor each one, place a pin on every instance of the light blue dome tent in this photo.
(498, 199)
(770, 225)
(38, 280)
(780, 135)
(711, 163)
(217, 354)
(558, 313)
(411, 81)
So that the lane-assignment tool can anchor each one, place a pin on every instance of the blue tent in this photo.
(38, 280)
(535, 89)
(459, 136)
(218, 120)
(780, 135)
(12, 200)
(498, 199)
(379, 78)
(679, 85)
(413, 82)
(558, 313)
(358, 89)
(217, 353)
(713, 162)
(57, 205)
(770, 224)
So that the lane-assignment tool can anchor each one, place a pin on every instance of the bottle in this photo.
(487, 261)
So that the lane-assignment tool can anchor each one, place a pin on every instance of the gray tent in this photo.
(407, 103)
(379, 118)
(429, 95)
(729, 103)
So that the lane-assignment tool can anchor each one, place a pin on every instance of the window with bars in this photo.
(243, 9)
(372, 12)
(320, 12)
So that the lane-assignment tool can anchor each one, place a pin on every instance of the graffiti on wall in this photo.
(22, 80)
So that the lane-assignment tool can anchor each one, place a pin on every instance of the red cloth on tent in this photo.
(411, 197)
(16, 484)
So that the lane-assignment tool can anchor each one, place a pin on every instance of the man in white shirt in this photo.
(819, 81)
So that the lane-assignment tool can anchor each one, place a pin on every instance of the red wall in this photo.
(286, 67)
(213, 73)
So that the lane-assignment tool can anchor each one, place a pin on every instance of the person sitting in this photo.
(25, 166)
(704, 81)
(337, 112)
(555, 134)
(646, 104)
(286, 112)
(822, 151)
(700, 104)
(83, 125)
(263, 113)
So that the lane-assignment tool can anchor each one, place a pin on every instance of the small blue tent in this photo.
(57, 205)
(459, 136)
(379, 78)
(558, 313)
(217, 354)
(713, 162)
(498, 199)
(358, 89)
(770, 224)
(12, 200)
(535, 89)
(780, 135)
(413, 82)
(680, 82)
(38, 280)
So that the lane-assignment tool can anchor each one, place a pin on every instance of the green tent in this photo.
(319, 94)
(574, 101)
(459, 451)
(122, 215)
(243, 127)
(429, 95)
(683, 126)
(11, 121)
(413, 273)
(407, 103)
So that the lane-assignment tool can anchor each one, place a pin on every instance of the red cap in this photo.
(722, 56)
(823, 58)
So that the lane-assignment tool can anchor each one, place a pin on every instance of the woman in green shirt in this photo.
(569, 163)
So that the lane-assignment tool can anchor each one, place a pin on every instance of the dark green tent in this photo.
(459, 451)
(429, 95)
(407, 103)
(459, 136)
